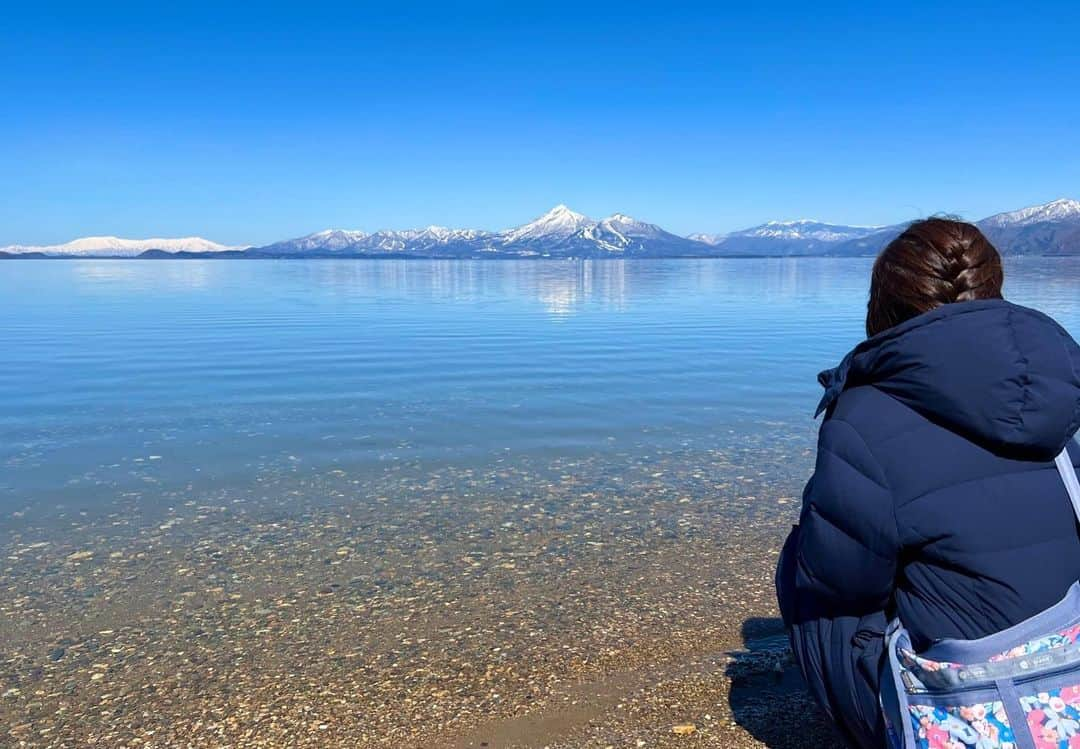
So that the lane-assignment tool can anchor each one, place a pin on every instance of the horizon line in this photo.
(554, 209)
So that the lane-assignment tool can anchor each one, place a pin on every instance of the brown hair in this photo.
(933, 262)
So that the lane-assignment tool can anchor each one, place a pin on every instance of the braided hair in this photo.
(933, 262)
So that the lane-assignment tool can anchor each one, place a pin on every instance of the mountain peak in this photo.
(620, 222)
(563, 212)
(705, 238)
(805, 229)
(337, 232)
(794, 222)
(560, 221)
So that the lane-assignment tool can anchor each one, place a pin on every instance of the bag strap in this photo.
(1068, 475)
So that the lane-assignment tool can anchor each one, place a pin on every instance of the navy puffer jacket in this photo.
(935, 495)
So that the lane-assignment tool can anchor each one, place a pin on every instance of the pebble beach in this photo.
(551, 605)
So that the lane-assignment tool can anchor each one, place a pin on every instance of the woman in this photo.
(935, 496)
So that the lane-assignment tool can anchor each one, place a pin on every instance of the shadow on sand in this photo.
(768, 697)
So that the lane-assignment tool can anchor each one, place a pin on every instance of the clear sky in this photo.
(248, 125)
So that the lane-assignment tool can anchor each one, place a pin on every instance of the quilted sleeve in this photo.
(847, 548)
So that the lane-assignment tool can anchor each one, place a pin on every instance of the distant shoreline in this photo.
(1049, 230)
(404, 256)
(242, 255)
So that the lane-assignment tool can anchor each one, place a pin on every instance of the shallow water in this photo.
(147, 377)
(400, 503)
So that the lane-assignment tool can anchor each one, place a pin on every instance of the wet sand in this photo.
(516, 607)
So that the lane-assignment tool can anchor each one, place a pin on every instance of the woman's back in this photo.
(951, 422)
(935, 496)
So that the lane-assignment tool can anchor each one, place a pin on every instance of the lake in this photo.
(380, 471)
(120, 376)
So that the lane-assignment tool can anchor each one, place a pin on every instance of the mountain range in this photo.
(558, 233)
(1049, 229)
(117, 247)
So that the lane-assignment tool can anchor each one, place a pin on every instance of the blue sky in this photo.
(247, 125)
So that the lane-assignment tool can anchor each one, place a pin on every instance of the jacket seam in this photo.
(1075, 424)
(1042, 466)
(884, 483)
(1025, 374)
(871, 479)
(915, 427)
(1008, 549)
(840, 529)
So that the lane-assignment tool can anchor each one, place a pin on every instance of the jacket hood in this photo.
(1001, 375)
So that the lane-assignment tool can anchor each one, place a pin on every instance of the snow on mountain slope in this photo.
(118, 247)
(1062, 209)
(621, 233)
(622, 224)
(710, 239)
(559, 231)
(386, 241)
(327, 239)
(806, 229)
(562, 232)
(419, 240)
(559, 222)
(1050, 229)
(799, 237)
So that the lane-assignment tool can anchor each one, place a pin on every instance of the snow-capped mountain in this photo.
(1060, 210)
(117, 247)
(620, 233)
(427, 239)
(559, 222)
(806, 229)
(799, 237)
(709, 239)
(331, 242)
(560, 232)
(1049, 229)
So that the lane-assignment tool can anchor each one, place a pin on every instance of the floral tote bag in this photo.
(1016, 689)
